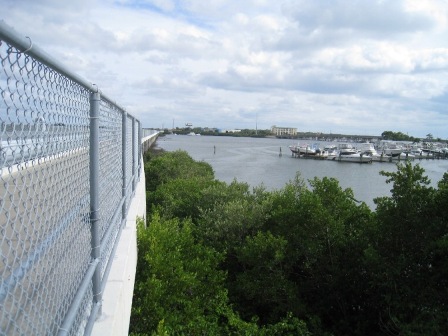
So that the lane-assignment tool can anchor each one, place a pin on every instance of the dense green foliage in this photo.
(222, 259)
(398, 136)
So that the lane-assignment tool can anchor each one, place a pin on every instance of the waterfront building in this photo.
(284, 132)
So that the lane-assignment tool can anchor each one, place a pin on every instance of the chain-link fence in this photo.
(69, 160)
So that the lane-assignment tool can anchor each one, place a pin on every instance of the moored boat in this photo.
(330, 148)
(346, 149)
(330, 151)
(355, 158)
(368, 149)
(390, 148)
(293, 149)
(302, 149)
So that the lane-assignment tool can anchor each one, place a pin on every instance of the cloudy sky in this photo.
(340, 66)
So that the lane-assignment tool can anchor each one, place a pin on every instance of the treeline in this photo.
(244, 133)
(204, 131)
(398, 136)
(226, 259)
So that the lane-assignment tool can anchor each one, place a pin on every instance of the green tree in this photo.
(180, 290)
(226, 225)
(174, 182)
(404, 216)
(324, 229)
(179, 287)
(334, 265)
(404, 257)
(178, 164)
(288, 326)
(397, 136)
(262, 285)
(180, 197)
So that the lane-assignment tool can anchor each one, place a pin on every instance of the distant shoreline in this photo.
(301, 136)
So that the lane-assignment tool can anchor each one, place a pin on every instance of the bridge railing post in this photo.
(134, 155)
(124, 163)
(95, 196)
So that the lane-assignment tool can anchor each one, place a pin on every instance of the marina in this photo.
(368, 152)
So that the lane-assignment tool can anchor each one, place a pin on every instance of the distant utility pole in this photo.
(256, 123)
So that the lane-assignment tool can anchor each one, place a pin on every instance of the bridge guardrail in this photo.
(69, 160)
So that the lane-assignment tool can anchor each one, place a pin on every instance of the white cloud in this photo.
(354, 66)
(374, 16)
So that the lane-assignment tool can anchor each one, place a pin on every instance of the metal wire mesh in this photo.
(83, 314)
(135, 151)
(45, 224)
(111, 176)
(129, 152)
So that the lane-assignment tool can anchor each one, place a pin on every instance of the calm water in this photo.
(257, 161)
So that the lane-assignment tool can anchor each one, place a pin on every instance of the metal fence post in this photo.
(123, 162)
(94, 195)
(134, 175)
(140, 154)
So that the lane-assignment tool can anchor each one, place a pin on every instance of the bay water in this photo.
(268, 162)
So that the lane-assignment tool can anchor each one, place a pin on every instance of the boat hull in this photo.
(403, 157)
(381, 158)
(354, 158)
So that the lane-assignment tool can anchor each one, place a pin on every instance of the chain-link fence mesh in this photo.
(128, 159)
(45, 193)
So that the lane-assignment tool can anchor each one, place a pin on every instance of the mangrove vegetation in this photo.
(228, 259)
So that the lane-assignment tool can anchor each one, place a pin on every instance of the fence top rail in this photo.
(26, 46)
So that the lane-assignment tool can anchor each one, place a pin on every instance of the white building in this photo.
(284, 131)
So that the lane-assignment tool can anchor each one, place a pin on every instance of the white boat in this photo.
(367, 148)
(330, 148)
(294, 149)
(390, 148)
(414, 149)
(302, 149)
(345, 148)
(330, 151)
(347, 153)
(433, 150)
(355, 157)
